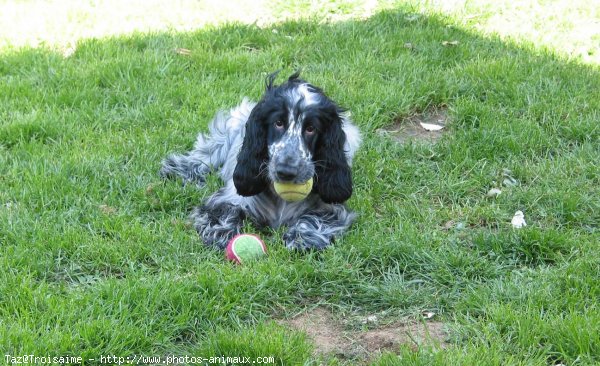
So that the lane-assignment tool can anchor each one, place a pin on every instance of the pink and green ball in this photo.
(245, 248)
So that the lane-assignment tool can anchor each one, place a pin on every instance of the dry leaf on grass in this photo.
(449, 225)
(518, 220)
(370, 319)
(430, 126)
(509, 180)
(183, 51)
(107, 209)
(494, 192)
(450, 43)
(428, 314)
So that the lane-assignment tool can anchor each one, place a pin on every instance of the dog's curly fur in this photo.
(294, 133)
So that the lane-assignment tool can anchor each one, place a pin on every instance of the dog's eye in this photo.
(279, 124)
(310, 129)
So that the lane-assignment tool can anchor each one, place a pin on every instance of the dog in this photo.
(294, 133)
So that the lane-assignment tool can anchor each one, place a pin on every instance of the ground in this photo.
(331, 337)
(96, 254)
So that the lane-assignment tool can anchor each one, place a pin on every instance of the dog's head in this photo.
(293, 134)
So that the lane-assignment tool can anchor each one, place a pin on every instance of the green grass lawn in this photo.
(96, 257)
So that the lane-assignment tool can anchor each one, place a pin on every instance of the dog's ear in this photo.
(248, 177)
(333, 174)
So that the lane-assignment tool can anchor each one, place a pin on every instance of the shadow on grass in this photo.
(88, 131)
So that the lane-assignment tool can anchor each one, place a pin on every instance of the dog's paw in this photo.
(293, 242)
(179, 166)
(216, 227)
(301, 237)
(217, 239)
(170, 167)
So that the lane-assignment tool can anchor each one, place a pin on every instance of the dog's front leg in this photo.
(317, 229)
(217, 224)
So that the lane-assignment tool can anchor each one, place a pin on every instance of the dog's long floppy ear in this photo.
(333, 174)
(248, 176)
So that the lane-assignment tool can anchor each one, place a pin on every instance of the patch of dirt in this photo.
(322, 329)
(409, 128)
(331, 337)
(391, 337)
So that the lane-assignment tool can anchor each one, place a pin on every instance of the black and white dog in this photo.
(292, 134)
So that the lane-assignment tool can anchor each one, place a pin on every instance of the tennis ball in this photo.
(245, 247)
(293, 192)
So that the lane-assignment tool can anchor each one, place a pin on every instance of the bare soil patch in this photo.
(331, 337)
(410, 128)
(326, 333)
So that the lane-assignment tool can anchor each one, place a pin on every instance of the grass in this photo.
(97, 258)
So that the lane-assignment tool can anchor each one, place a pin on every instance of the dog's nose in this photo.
(286, 173)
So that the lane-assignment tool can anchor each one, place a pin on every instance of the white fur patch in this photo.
(239, 115)
(353, 137)
(309, 97)
(301, 92)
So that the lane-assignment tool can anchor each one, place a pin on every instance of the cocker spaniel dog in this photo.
(294, 133)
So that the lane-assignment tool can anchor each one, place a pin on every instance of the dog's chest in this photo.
(272, 211)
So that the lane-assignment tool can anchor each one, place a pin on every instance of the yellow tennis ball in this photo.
(293, 192)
